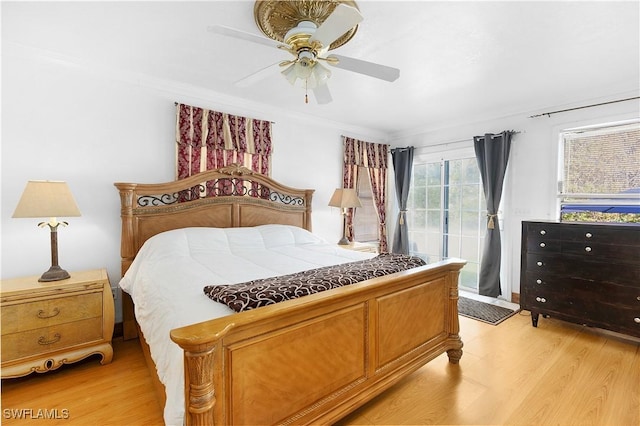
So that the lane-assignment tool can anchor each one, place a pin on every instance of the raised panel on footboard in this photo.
(295, 369)
(410, 318)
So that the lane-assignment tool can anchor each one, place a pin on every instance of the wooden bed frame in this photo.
(309, 360)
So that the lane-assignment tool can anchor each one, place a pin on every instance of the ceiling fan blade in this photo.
(341, 20)
(322, 94)
(382, 72)
(231, 32)
(258, 75)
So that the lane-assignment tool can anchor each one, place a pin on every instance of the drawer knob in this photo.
(539, 281)
(543, 232)
(636, 320)
(543, 245)
(638, 298)
(539, 263)
(587, 249)
(588, 235)
(43, 315)
(43, 341)
(541, 299)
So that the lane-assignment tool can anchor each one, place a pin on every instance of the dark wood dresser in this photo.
(583, 273)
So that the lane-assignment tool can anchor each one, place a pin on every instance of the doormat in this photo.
(481, 311)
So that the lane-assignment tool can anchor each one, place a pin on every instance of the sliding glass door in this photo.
(447, 214)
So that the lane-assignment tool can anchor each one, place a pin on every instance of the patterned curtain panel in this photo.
(374, 157)
(209, 139)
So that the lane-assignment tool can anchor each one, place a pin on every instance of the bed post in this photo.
(199, 387)
(455, 353)
(200, 357)
(127, 253)
(308, 196)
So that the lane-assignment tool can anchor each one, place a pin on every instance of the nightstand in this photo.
(365, 247)
(47, 324)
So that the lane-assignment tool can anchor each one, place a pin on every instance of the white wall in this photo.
(92, 127)
(531, 181)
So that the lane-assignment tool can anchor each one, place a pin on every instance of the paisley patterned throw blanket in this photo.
(267, 291)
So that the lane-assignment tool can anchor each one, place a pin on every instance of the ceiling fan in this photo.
(308, 29)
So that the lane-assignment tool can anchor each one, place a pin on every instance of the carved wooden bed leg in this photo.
(199, 386)
(454, 355)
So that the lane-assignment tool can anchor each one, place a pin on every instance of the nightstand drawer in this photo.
(47, 313)
(47, 339)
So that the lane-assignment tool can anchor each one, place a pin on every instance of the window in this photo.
(600, 173)
(447, 214)
(365, 221)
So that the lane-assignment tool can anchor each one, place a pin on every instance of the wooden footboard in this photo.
(317, 358)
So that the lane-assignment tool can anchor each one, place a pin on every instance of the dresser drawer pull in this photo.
(587, 249)
(543, 232)
(541, 299)
(588, 235)
(543, 245)
(636, 320)
(43, 315)
(538, 281)
(43, 341)
(638, 298)
(539, 263)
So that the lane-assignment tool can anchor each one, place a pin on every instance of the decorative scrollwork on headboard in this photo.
(223, 187)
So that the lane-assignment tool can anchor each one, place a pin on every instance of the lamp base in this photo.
(55, 273)
(343, 241)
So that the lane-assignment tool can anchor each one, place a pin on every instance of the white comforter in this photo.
(167, 278)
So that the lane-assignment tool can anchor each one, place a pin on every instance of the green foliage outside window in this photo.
(600, 217)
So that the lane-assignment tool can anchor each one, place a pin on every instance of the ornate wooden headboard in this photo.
(232, 196)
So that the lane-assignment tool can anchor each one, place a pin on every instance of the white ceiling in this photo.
(458, 60)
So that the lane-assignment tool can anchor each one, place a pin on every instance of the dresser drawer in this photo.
(605, 234)
(596, 269)
(540, 230)
(591, 249)
(604, 294)
(46, 313)
(48, 339)
(543, 245)
(546, 264)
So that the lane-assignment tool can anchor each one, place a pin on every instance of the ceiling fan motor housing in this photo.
(297, 39)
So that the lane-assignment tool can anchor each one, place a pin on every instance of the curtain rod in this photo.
(548, 114)
(461, 140)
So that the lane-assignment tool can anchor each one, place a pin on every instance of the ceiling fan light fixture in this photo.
(290, 74)
(321, 74)
(303, 68)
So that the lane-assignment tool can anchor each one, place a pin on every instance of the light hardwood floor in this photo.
(557, 374)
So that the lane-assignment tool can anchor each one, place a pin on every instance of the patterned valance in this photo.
(218, 130)
(208, 140)
(365, 154)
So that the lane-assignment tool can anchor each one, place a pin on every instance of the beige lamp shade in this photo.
(45, 198)
(345, 198)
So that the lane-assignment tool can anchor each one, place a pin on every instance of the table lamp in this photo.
(344, 198)
(50, 199)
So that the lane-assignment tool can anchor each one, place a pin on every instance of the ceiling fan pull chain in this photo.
(306, 92)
